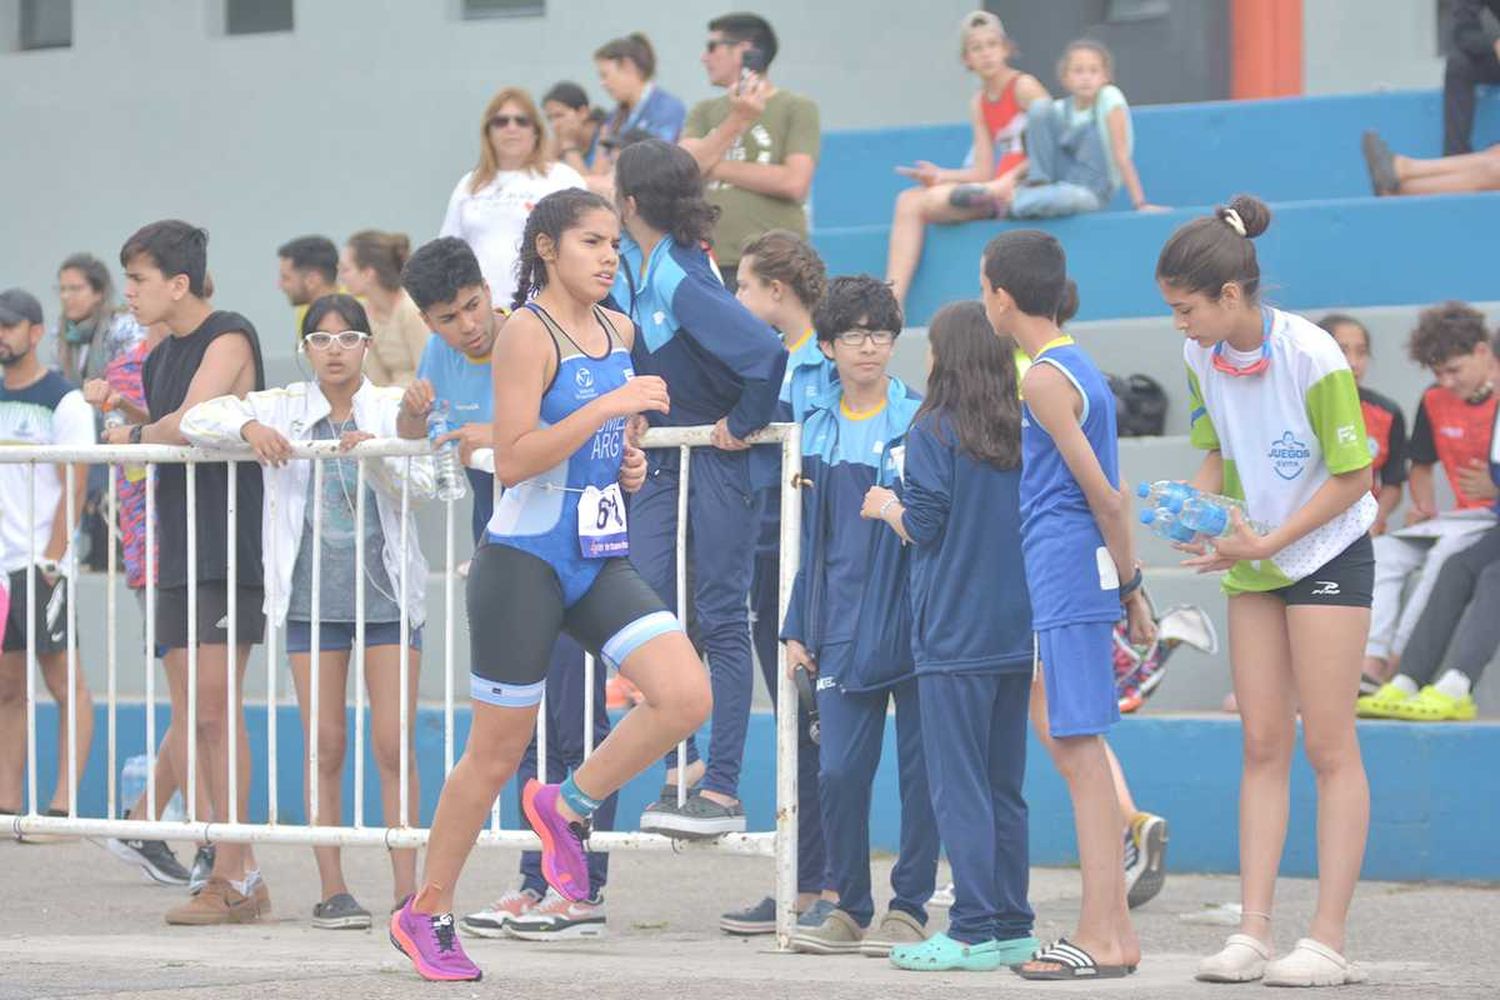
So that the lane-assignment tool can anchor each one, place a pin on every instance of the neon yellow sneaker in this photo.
(1431, 705)
(1383, 704)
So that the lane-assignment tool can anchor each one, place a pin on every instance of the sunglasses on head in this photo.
(505, 121)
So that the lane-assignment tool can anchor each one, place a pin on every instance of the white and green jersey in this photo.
(1283, 434)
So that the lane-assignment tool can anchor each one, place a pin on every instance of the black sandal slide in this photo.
(1071, 962)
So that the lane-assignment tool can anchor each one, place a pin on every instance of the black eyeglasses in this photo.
(505, 121)
(857, 337)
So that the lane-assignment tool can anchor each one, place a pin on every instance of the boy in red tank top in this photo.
(1452, 427)
(998, 116)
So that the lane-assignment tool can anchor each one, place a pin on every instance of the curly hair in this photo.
(1446, 330)
(552, 216)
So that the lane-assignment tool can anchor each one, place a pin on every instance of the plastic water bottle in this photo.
(448, 478)
(1164, 492)
(1166, 524)
(133, 786)
(1210, 515)
(115, 417)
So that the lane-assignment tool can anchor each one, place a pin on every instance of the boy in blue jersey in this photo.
(1080, 568)
(444, 279)
(724, 368)
(852, 441)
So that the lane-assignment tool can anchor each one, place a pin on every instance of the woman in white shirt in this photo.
(489, 207)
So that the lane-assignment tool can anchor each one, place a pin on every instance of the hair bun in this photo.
(1252, 213)
(1067, 307)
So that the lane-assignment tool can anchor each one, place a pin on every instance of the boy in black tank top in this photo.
(209, 354)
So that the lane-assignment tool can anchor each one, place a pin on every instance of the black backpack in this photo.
(1140, 405)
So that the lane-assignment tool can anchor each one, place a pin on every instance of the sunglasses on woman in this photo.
(505, 121)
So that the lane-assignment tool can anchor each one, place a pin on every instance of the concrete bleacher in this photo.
(1330, 241)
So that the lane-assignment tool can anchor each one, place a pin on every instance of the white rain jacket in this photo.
(295, 411)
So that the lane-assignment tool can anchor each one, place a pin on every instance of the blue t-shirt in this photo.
(463, 381)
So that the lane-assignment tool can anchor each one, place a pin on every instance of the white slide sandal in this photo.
(1312, 964)
(1241, 960)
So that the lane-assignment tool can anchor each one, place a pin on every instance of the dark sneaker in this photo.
(816, 913)
(837, 934)
(203, 867)
(431, 942)
(559, 919)
(1145, 859)
(565, 864)
(153, 857)
(340, 912)
(1381, 164)
(700, 819)
(753, 920)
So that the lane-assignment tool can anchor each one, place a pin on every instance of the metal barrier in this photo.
(780, 843)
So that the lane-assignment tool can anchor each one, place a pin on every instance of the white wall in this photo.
(365, 115)
(1360, 45)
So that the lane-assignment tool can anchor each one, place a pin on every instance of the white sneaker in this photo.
(491, 922)
(559, 919)
(942, 898)
(1241, 960)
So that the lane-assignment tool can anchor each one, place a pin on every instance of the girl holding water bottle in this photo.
(1274, 404)
(341, 405)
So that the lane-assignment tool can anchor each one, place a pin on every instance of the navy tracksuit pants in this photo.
(565, 678)
(812, 859)
(853, 729)
(974, 735)
(723, 522)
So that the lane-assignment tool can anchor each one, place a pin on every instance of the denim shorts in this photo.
(339, 636)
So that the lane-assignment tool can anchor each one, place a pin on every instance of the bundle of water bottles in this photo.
(1179, 512)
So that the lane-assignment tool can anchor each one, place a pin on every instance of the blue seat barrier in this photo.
(1435, 794)
(1289, 149)
(1350, 252)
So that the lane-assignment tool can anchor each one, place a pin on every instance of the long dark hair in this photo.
(553, 215)
(972, 387)
(667, 186)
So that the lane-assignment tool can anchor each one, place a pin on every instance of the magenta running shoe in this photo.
(431, 942)
(564, 864)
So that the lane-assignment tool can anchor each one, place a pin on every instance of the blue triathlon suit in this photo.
(531, 580)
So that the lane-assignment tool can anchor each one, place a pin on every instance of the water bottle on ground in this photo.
(1165, 524)
(447, 474)
(1164, 492)
(1210, 515)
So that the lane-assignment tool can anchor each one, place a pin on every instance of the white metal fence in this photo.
(780, 843)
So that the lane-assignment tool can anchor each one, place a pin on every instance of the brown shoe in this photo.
(218, 903)
(262, 897)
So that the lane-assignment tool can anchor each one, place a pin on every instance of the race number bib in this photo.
(601, 523)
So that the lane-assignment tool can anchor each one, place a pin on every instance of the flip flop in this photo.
(1311, 963)
(1381, 163)
(1071, 963)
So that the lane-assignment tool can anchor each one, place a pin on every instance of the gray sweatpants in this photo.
(1459, 627)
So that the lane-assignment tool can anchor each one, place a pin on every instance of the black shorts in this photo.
(213, 616)
(516, 613)
(1345, 581)
(51, 615)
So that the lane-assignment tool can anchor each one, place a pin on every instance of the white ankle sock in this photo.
(1454, 684)
(1405, 683)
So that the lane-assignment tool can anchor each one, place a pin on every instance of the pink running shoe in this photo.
(431, 942)
(564, 863)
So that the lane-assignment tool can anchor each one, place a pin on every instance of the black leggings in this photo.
(1459, 626)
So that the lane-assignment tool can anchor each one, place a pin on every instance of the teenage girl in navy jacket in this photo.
(971, 635)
